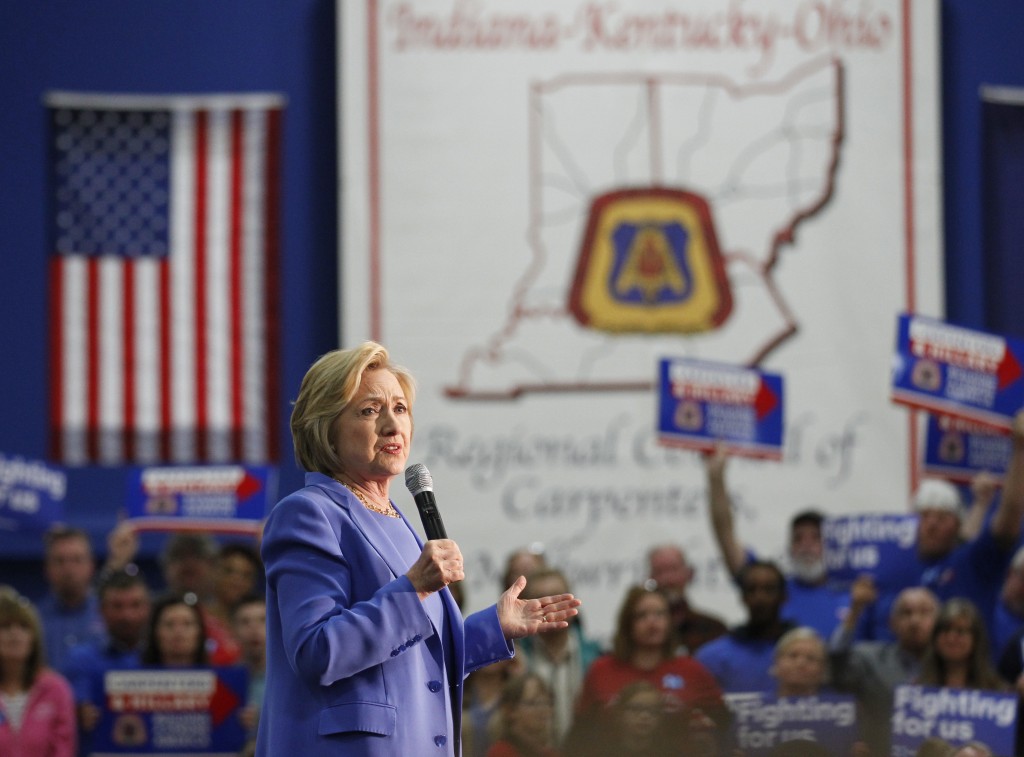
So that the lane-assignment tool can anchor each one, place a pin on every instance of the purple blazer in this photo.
(354, 664)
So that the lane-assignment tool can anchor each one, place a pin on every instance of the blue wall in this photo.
(282, 46)
(981, 45)
(288, 46)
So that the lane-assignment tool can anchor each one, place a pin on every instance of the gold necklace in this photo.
(389, 511)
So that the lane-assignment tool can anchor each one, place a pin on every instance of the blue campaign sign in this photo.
(864, 542)
(958, 450)
(763, 721)
(171, 711)
(702, 404)
(958, 372)
(955, 715)
(31, 494)
(220, 498)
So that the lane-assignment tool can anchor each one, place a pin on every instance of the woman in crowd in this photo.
(366, 649)
(37, 709)
(523, 725)
(801, 663)
(958, 655)
(176, 638)
(561, 657)
(644, 650)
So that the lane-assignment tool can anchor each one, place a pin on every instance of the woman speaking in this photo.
(366, 649)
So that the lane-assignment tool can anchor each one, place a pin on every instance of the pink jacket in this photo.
(48, 727)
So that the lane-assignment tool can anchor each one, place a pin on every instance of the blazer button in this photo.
(434, 686)
(440, 740)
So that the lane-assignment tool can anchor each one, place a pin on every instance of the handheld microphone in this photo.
(421, 485)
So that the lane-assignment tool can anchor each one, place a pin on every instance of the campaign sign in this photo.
(958, 450)
(222, 498)
(703, 404)
(762, 721)
(863, 542)
(31, 494)
(955, 715)
(955, 371)
(171, 711)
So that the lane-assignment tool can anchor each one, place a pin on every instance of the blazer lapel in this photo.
(365, 522)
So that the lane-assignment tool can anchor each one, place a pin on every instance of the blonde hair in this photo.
(327, 388)
(791, 637)
(800, 633)
(17, 610)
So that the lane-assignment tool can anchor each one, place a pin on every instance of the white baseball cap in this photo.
(938, 494)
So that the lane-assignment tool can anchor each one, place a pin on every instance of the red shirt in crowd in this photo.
(685, 683)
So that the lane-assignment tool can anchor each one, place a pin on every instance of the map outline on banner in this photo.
(762, 267)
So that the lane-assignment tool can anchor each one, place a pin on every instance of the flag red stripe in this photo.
(164, 356)
(271, 255)
(92, 358)
(56, 355)
(128, 395)
(200, 283)
(235, 274)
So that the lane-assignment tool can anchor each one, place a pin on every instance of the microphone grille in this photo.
(418, 479)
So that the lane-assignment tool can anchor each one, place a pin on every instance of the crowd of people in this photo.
(210, 611)
(952, 615)
(945, 614)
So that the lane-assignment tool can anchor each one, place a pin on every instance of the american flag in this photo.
(162, 279)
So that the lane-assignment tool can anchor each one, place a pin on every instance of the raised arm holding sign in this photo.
(811, 599)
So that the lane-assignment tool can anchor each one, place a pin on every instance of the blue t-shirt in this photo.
(86, 663)
(65, 628)
(821, 607)
(973, 570)
(739, 662)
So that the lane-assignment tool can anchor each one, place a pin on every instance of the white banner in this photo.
(541, 199)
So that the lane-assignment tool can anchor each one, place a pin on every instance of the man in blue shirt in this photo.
(124, 603)
(812, 599)
(69, 611)
(741, 660)
(942, 560)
